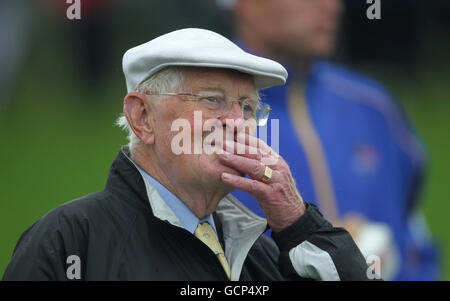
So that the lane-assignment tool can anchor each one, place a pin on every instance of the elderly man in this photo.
(165, 215)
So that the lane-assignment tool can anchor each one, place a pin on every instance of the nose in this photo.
(235, 115)
(234, 112)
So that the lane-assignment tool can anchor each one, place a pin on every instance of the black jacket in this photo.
(117, 236)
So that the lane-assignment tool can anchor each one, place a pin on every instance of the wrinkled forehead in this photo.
(227, 80)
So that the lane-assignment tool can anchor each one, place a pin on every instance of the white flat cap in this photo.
(199, 48)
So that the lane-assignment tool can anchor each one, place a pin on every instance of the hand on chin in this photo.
(213, 168)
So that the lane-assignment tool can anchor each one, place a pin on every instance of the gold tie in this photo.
(206, 234)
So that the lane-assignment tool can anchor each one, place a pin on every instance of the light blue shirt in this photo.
(187, 218)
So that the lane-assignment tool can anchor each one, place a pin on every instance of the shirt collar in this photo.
(187, 218)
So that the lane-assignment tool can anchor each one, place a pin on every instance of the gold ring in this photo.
(267, 175)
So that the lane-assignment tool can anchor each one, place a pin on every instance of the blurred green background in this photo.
(57, 111)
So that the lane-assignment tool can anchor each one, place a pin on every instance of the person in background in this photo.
(347, 142)
(16, 23)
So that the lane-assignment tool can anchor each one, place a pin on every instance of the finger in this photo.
(253, 168)
(269, 156)
(255, 188)
(242, 150)
(252, 141)
(251, 153)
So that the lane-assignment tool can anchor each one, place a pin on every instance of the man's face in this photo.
(295, 28)
(202, 168)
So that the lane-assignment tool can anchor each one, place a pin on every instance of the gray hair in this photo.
(168, 79)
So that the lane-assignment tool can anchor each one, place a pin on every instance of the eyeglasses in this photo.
(217, 104)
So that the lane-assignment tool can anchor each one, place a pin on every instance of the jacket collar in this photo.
(241, 227)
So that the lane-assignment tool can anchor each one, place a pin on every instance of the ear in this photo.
(139, 117)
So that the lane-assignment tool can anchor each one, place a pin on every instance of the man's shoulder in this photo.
(351, 84)
(82, 207)
(77, 227)
(78, 216)
(334, 72)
